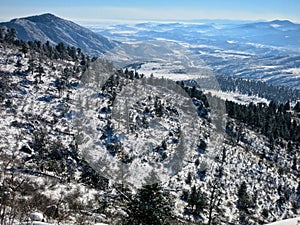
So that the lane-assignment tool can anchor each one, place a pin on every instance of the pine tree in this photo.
(61, 49)
(297, 107)
(1, 34)
(294, 166)
(150, 206)
(40, 71)
(31, 65)
(18, 65)
(196, 200)
(244, 200)
(287, 106)
(164, 145)
(24, 47)
(188, 180)
(10, 35)
(158, 107)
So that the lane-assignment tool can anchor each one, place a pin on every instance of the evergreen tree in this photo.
(31, 65)
(294, 166)
(244, 200)
(18, 65)
(61, 49)
(1, 34)
(188, 180)
(158, 107)
(297, 107)
(164, 145)
(196, 200)
(72, 52)
(150, 206)
(24, 47)
(287, 106)
(40, 71)
(10, 35)
(48, 49)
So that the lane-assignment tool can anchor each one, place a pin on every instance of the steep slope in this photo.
(126, 126)
(48, 27)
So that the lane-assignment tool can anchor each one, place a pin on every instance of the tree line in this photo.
(273, 120)
(52, 51)
(278, 94)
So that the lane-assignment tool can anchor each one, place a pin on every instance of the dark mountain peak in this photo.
(49, 27)
(282, 22)
(39, 18)
(271, 25)
(48, 15)
(43, 18)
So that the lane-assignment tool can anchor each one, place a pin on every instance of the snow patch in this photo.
(294, 221)
(237, 97)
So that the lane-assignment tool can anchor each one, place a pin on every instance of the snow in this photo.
(124, 32)
(160, 70)
(43, 223)
(294, 221)
(40, 223)
(267, 67)
(231, 42)
(275, 25)
(294, 71)
(237, 97)
(36, 216)
(129, 104)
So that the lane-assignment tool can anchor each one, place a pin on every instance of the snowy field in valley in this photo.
(295, 221)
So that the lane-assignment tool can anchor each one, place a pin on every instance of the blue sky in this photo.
(97, 10)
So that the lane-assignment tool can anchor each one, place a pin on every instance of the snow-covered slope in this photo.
(48, 27)
(33, 118)
(63, 131)
(295, 221)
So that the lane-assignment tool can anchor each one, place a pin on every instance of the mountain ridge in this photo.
(48, 27)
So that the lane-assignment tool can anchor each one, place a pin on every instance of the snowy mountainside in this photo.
(39, 161)
(151, 120)
(82, 143)
(48, 27)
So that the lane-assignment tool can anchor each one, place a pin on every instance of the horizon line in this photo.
(162, 20)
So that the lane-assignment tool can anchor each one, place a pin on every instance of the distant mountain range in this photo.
(264, 51)
(48, 27)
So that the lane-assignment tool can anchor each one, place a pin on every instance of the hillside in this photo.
(79, 141)
(48, 27)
